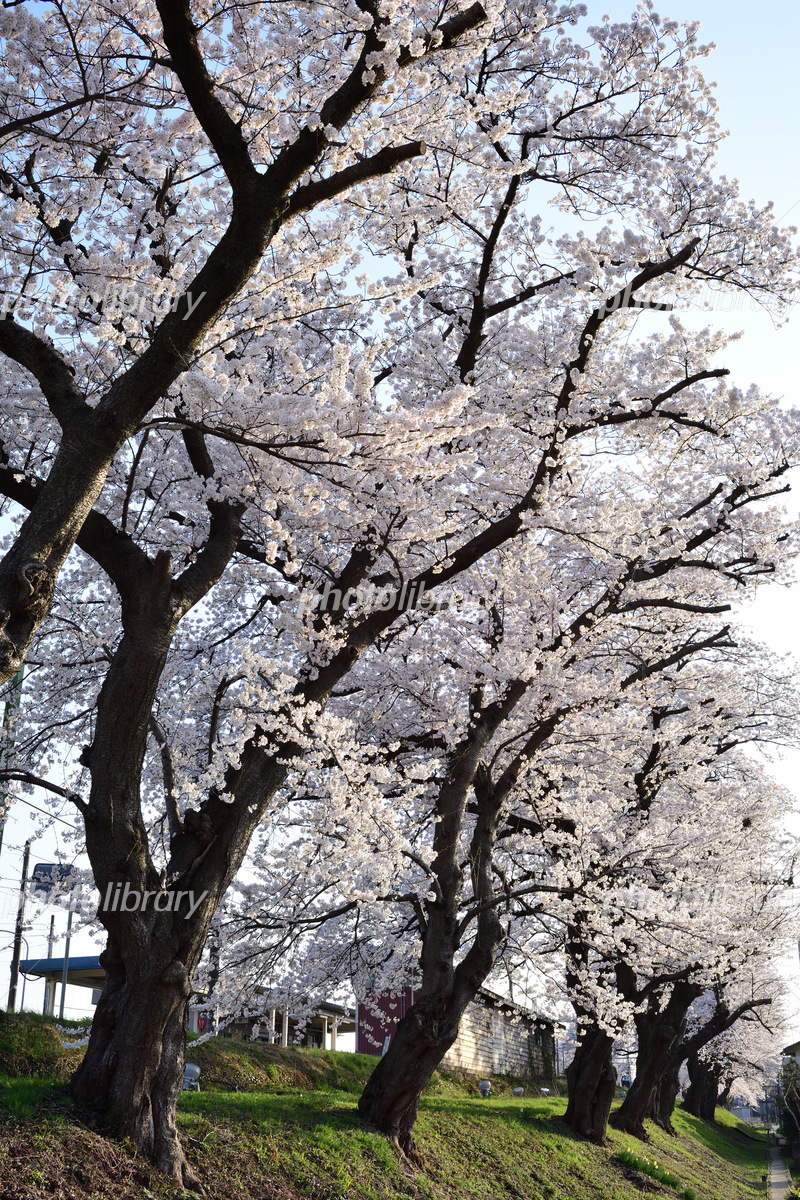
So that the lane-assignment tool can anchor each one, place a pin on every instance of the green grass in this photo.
(227, 1065)
(30, 1045)
(471, 1148)
(653, 1169)
(21, 1098)
(291, 1131)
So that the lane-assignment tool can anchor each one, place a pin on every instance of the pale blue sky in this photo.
(755, 67)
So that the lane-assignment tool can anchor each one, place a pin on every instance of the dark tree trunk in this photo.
(591, 1078)
(665, 1095)
(702, 1095)
(698, 1078)
(420, 1042)
(655, 1040)
(660, 1030)
(591, 1083)
(708, 1107)
(133, 1066)
(725, 1095)
(430, 1027)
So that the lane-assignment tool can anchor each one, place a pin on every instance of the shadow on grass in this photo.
(318, 1108)
(534, 1107)
(727, 1143)
(337, 1110)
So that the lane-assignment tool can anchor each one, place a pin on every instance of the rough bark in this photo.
(665, 1096)
(591, 1083)
(133, 1066)
(421, 1040)
(658, 1031)
(591, 1078)
(702, 1095)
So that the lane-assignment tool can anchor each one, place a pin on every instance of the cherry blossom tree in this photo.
(746, 1055)
(624, 817)
(687, 918)
(266, 462)
(664, 1044)
(119, 130)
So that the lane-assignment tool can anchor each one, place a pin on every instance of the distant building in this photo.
(282, 1027)
(279, 1025)
(496, 1036)
(82, 971)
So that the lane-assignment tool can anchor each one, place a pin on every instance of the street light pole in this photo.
(17, 953)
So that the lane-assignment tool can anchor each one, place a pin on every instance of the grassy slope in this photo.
(292, 1131)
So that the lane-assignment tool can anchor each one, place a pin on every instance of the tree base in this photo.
(391, 1094)
(631, 1127)
(132, 1071)
(407, 1151)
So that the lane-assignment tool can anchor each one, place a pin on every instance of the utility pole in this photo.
(7, 737)
(65, 971)
(50, 986)
(12, 991)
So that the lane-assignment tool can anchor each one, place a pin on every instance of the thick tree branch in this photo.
(224, 134)
(223, 538)
(381, 163)
(48, 368)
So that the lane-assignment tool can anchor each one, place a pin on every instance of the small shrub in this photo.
(647, 1166)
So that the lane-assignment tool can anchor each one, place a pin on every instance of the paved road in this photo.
(779, 1181)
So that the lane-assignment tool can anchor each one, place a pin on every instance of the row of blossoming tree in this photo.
(367, 497)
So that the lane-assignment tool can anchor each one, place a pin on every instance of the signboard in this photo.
(45, 877)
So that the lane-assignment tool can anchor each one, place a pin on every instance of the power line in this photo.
(22, 800)
(794, 206)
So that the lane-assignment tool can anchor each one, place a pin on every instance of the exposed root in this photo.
(407, 1150)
